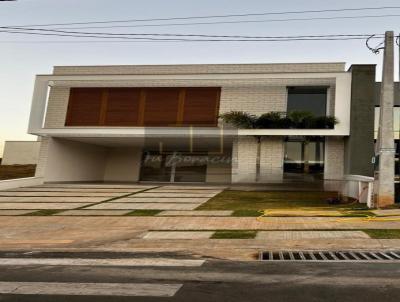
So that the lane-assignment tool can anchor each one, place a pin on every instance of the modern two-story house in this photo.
(161, 123)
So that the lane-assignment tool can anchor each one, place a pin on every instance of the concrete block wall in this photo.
(42, 158)
(253, 99)
(271, 160)
(244, 159)
(244, 152)
(334, 158)
(200, 68)
(57, 107)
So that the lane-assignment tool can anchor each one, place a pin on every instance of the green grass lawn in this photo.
(383, 234)
(43, 212)
(256, 201)
(240, 234)
(143, 213)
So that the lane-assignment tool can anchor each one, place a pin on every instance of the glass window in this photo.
(310, 99)
(174, 167)
(304, 156)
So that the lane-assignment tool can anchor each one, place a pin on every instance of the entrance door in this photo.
(174, 167)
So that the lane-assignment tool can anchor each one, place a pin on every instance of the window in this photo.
(310, 99)
(304, 156)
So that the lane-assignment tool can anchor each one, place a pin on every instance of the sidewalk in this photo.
(126, 234)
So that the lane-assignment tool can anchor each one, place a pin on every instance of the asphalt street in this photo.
(154, 277)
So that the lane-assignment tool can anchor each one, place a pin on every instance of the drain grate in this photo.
(330, 256)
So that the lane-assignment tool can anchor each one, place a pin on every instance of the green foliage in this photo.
(247, 213)
(240, 119)
(278, 120)
(234, 234)
(143, 213)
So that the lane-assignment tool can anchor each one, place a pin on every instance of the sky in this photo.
(22, 57)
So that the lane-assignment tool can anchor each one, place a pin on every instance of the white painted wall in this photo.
(74, 161)
(21, 153)
(20, 182)
(122, 164)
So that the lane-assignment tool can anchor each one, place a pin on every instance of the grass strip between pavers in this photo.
(143, 212)
(43, 213)
(383, 234)
(246, 213)
(113, 198)
(234, 234)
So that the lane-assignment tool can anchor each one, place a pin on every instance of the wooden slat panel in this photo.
(143, 106)
(161, 106)
(122, 107)
(84, 107)
(201, 106)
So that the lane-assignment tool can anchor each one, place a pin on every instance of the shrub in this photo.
(277, 120)
(239, 119)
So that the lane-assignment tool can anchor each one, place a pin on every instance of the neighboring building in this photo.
(160, 123)
(20, 153)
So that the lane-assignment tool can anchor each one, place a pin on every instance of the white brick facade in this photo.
(255, 96)
(334, 158)
(244, 152)
(271, 160)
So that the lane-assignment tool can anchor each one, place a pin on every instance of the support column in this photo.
(384, 177)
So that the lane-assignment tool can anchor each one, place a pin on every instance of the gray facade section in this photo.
(396, 93)
(359, 146)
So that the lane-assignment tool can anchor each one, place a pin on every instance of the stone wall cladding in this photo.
(57, 107)
(271, 163)
(200, 68)
(334, 158)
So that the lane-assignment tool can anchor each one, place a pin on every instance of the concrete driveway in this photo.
(102, 199)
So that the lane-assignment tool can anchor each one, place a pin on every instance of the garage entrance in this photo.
(173, 167)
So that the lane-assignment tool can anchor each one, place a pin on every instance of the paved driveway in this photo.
(103, 199)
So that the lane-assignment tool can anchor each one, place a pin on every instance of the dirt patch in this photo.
(16, 171)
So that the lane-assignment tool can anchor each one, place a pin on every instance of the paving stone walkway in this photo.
(296, 235)
(93, 213)
(195, 213)
(114, 199)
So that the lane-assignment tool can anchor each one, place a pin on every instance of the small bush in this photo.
(278, 120)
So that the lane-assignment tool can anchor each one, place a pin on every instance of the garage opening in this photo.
(174, 167)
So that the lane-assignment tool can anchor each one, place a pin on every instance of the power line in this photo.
(276, 39)
(237, 21)
(216, 16)
(185, 35)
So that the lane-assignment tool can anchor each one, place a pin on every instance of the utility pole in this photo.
(385, 152)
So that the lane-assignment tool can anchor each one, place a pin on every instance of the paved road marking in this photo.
(102, 262)
(89, 289)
